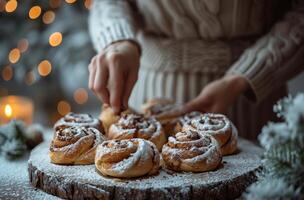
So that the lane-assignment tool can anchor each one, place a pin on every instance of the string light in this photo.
(44, 68)
(7, 73)
(14, 55)
(81, 96)
(11, 6)
(23, 45)
(55, 3)
(88, 4)
(55, 39)
(30, 78)
(70, 1)
(48, 17)
(63, 107)
(34, 12)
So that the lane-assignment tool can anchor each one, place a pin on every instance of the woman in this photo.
(204, 53)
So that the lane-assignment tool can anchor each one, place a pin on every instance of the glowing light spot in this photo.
(44, 68)
(55, 3)
(81, 96)
(55, 39)
(14, 55)
(23, 45)
(30, 78)
(48, 17)
(11, 6)
(8, 111)
(7, 73)
(88, 4)
(63, 107)
(70, 1)
(34, 12)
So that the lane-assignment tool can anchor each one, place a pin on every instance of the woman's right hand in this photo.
(113, 73)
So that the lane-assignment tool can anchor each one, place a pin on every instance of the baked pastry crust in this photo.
(73, 119)
(108, 117)
(127, 158)
(191, 151)
(218, 126)
(137, 126)
(75, 145)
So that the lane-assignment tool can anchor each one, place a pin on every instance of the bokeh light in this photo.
(34, 12)
(48, 17)
(44, 68)
(80, 96)
(63, 107)
(70, 1)
(30, 78)
(14, 55)
(55, 3)
(88, 4)
(23, 45)
(11, 6)
(55, 39)
(7, 73)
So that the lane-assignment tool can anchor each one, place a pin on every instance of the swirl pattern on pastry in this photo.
(191, 151)
(218, 126)
(186, 119)
(75, 145)
(137, 126)
(127, 158)
(73, 119)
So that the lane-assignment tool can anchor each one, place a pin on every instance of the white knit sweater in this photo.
(198, 36)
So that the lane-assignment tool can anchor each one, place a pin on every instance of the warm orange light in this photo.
(81, 96)
(48, 17)
(70, 1)
(44, 68)
(34, 12)
(8, 111)
(30, 78)
(63, 107)
(55, 3)
(11, 6)
(14, 55)
(23, 45)
(55, 39)
(7, 73)
(88, 4)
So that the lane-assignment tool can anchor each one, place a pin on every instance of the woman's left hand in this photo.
(218, 95)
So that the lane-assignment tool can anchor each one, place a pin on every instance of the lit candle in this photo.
(16, 107)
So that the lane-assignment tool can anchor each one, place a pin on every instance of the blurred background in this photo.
(45, 49)
(44, 52)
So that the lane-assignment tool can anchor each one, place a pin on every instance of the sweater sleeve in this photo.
(275, 58)
(110, 21)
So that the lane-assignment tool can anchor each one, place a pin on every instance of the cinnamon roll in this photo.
(108, 117)
(185, 119)
(137, 126)
(191, 151)
(75, 145)
(165, 111)
(127, 158)
(218, 126)
(72, 120)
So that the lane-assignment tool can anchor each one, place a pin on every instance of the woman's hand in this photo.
(113, 73)
(218, 95)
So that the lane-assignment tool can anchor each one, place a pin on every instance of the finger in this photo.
(131, 80)
(92, 72)
(116, 80)
(198, 104)
(101, 81)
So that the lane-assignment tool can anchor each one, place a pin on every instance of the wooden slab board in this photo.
(84, 182)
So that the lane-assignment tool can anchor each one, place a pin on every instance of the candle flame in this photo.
(8, 110)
